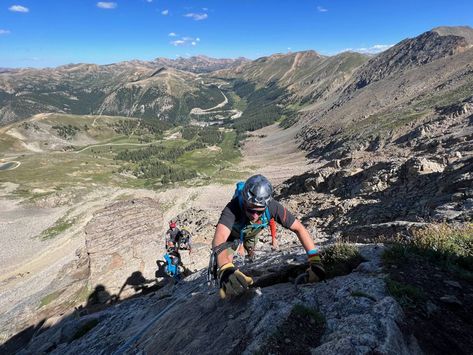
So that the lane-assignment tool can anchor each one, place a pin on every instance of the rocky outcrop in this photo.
(386, 198)
(358, 314)
(122, 239)
(407, 54)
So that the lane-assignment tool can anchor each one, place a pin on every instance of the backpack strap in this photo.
(239, 192)
(265, 218)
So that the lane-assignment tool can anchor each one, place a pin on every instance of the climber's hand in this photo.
(316, 271)
(232, 281)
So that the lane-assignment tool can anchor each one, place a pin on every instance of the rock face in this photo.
(200, 64)
(122, 239)
(410, 53)
(396, 148)
(386, 198)
(359, 316)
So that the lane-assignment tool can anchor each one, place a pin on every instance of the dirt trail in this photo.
(115, 144)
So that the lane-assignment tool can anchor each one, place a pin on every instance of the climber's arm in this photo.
(303, 235)
(221, 235)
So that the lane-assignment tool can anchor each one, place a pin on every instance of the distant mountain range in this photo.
(348, 87)
(199, 64)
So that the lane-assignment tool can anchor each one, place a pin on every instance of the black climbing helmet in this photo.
(257, 191)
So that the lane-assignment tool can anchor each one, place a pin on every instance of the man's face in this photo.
(253, 212)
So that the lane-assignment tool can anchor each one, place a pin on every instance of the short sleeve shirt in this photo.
(173, 234)
(234, 217)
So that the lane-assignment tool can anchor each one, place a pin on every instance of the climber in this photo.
(172, 235)
(243, 218)
(173, 261)
(184, 240)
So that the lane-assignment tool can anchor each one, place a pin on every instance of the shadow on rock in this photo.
(80, 320)
(138, 283)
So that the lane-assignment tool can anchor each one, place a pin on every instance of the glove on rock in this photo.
(232, 281)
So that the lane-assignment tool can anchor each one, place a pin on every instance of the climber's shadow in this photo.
(140, 285)
(161, 270)
(100, 295)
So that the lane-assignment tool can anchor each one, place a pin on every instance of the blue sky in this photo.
(40, 33)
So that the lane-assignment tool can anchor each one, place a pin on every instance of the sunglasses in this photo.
(252, 211)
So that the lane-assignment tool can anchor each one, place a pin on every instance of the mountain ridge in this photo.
(307, 77)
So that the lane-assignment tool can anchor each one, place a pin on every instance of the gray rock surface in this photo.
(189, 317)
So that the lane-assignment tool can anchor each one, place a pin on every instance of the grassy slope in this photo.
(60, 170)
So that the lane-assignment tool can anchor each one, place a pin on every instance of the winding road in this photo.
(114, 144)
(200, 111)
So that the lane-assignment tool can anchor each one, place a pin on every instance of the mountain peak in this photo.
(437, 43)
(460, 31)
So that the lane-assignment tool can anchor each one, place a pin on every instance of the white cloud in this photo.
(321, 9)
(382, 47)
(106, 5)
(18, 8)
(185, 41)
(4, 32)
(178, 42)
(197, 17)
(172, 34)
(165, 12)
(375, 49)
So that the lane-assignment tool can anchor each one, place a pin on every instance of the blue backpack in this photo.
(242, 224)
(172, 266)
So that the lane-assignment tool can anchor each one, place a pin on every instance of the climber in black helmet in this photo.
(246, 215)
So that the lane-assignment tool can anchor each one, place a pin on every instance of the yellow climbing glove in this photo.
(316, 271)
(232, 281)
